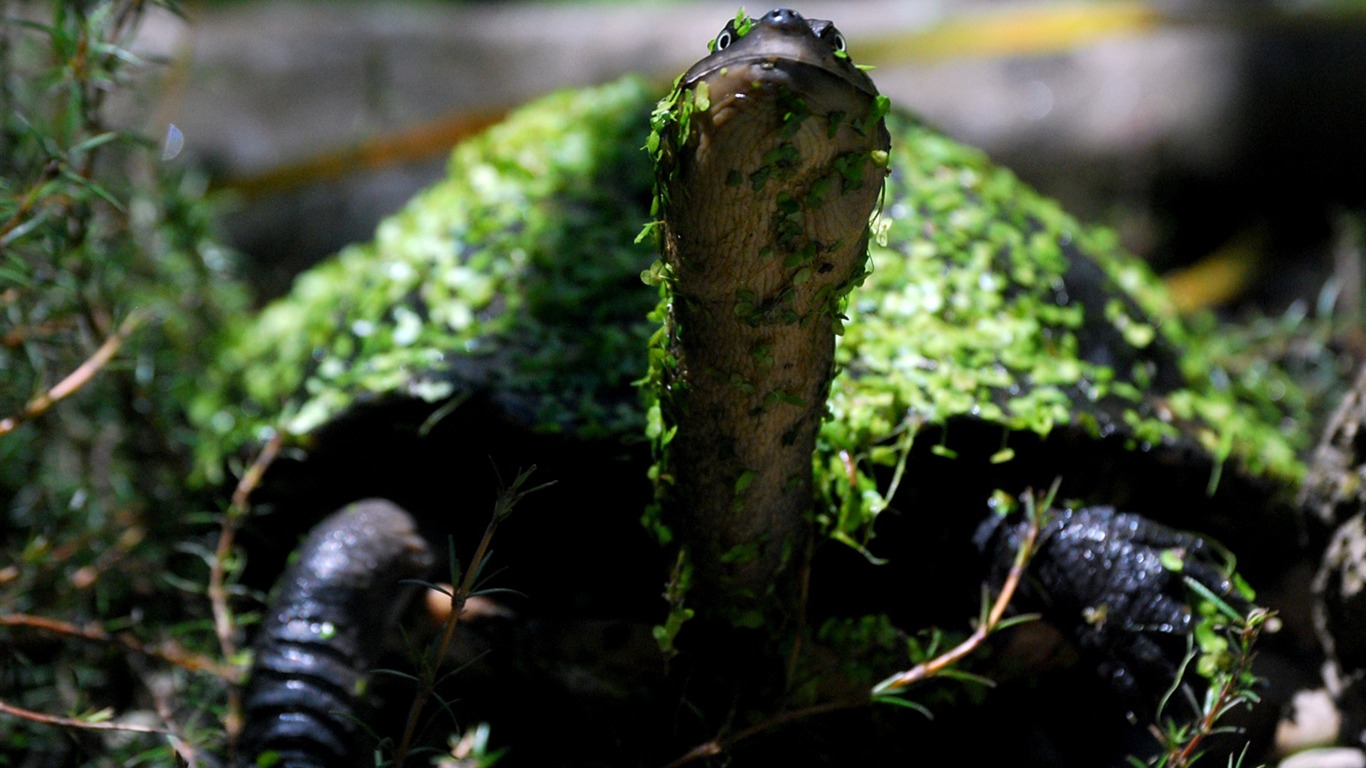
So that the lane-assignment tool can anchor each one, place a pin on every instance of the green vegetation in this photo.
(519, 274)
(523, 260)
(546, 301)
(110, 281)
(516, 273)
(961, 315)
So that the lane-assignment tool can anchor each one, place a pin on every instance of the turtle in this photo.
(792, 358)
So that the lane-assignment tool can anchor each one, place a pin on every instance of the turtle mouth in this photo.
(740, 87)
(799, 68)
(782, 40)
(754, 108)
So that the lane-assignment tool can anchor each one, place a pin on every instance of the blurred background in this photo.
(1226, 135)
(1223, 140)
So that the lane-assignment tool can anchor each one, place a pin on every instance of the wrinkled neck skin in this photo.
(766, 205)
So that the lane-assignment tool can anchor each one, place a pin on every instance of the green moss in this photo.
(520, 274)
(517, 274)
(966, 312)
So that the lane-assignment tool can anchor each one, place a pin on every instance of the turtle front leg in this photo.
(323, 633)
(1122, 588)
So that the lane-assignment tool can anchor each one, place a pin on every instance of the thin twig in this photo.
(699, 752)
(71, 722)
(928, 669)
(720, 746)
(217, 587)
(165, 709)
(76, 379)
(1223, 700)
(50, 171)
(227, 536)
(922, 671)
(458, 598)
(507, 499)
(18, 336)
(170, 654)
(919, 672)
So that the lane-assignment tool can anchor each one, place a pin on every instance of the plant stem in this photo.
(217, 586)
(503, 507)
(76, 379)
(979, 635)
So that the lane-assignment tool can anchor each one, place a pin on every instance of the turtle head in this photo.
(769, 159)
(782, 41)
(773, 145)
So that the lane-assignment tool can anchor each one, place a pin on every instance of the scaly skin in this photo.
(324, 632)
(769, 166)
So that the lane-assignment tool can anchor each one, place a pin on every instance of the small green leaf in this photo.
(1172, 559)
(701, 98)
(944, 451)
(900, 702)
(743, 23)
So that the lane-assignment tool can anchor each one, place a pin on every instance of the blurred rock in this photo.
(1313, 721)
(1326, 758)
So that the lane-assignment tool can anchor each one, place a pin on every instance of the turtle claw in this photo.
(1119, 586)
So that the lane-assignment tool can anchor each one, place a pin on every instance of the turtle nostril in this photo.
(783, 17)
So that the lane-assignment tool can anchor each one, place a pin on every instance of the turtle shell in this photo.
(996, 344)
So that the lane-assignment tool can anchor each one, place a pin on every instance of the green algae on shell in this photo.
(967, 312)
(519, 275)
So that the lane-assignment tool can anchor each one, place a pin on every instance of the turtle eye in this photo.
(724, 40)
(838, 41)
